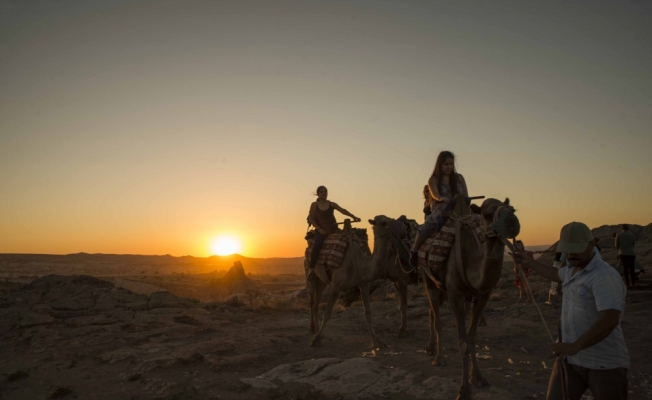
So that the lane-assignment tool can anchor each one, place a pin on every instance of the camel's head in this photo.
(381, 225)
(498, 218)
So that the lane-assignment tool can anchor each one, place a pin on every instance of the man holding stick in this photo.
(592, 347)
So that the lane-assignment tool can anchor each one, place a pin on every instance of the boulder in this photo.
(168, 300)
(358, 378)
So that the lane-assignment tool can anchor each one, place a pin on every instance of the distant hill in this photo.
(606, 241)
(541, 247)
(128, 264)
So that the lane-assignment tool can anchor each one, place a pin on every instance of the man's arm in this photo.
(616, 243)
(607, 322)
(544, 270)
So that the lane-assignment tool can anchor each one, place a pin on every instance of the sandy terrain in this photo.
(81, 337)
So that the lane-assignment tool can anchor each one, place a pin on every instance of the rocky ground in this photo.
(82, 337)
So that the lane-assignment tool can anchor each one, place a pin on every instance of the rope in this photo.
(402, 254)
(545, 324)
(529, 291)
(527, 288)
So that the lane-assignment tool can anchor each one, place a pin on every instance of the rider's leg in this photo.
(429, 226)
(414, 254)
(314, 254)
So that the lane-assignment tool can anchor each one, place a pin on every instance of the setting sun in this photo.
(225, 245)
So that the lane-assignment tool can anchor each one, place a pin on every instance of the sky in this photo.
(152, 127)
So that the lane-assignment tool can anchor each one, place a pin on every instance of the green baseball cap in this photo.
(574, 238)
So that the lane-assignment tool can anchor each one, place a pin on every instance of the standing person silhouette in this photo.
(624, 243)
(444, 183)
(322, 217)
(523, 295)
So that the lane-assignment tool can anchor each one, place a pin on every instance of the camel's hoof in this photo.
(480, 382)
(429, 350)
(482, 323)
(315, 342)
(379, 345)
(401, 334)
(437, 362)
(464, 393)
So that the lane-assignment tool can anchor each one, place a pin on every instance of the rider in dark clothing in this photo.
(322, 217)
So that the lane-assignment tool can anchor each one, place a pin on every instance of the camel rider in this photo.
(322, 217)
(444, 184)
(426, 202)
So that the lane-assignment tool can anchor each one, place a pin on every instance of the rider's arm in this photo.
(434, 191)
(466, 191)
(343, 211)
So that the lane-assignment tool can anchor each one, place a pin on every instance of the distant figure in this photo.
(592, 347)
(597, 239)
(555, 287)
(426, 202)
(526, 270)
(625, 242)
(444, 183)
(322, 217)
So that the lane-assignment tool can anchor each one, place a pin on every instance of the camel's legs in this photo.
(467, 305)
(311, 303)
(315, 299)
(364, 292)
(332, 297)
(464, 344)
(479, 304)
(401, 289)
(434, 342)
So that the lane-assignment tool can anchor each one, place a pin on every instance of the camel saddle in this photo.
(332, 252)
(435, 250)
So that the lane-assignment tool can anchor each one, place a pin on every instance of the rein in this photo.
(564, 378)
(402, 254)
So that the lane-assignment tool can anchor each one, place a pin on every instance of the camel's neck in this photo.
(378, 261)
(484, 272)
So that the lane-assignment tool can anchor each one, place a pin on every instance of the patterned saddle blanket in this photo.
(332, 252)
(434, 251)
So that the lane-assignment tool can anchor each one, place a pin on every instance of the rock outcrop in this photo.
(606, 242)
(234, 282)
(358, 378)
(69, 319)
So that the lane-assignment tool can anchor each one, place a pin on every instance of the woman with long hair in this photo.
(426, 202)
(322, 217)
(444, 184)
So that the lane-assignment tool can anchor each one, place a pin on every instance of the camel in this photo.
(357, 270)
(476, 275)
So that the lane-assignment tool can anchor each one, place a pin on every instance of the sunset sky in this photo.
(152, 127)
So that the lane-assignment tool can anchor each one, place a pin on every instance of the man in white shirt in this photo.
(593, 348)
